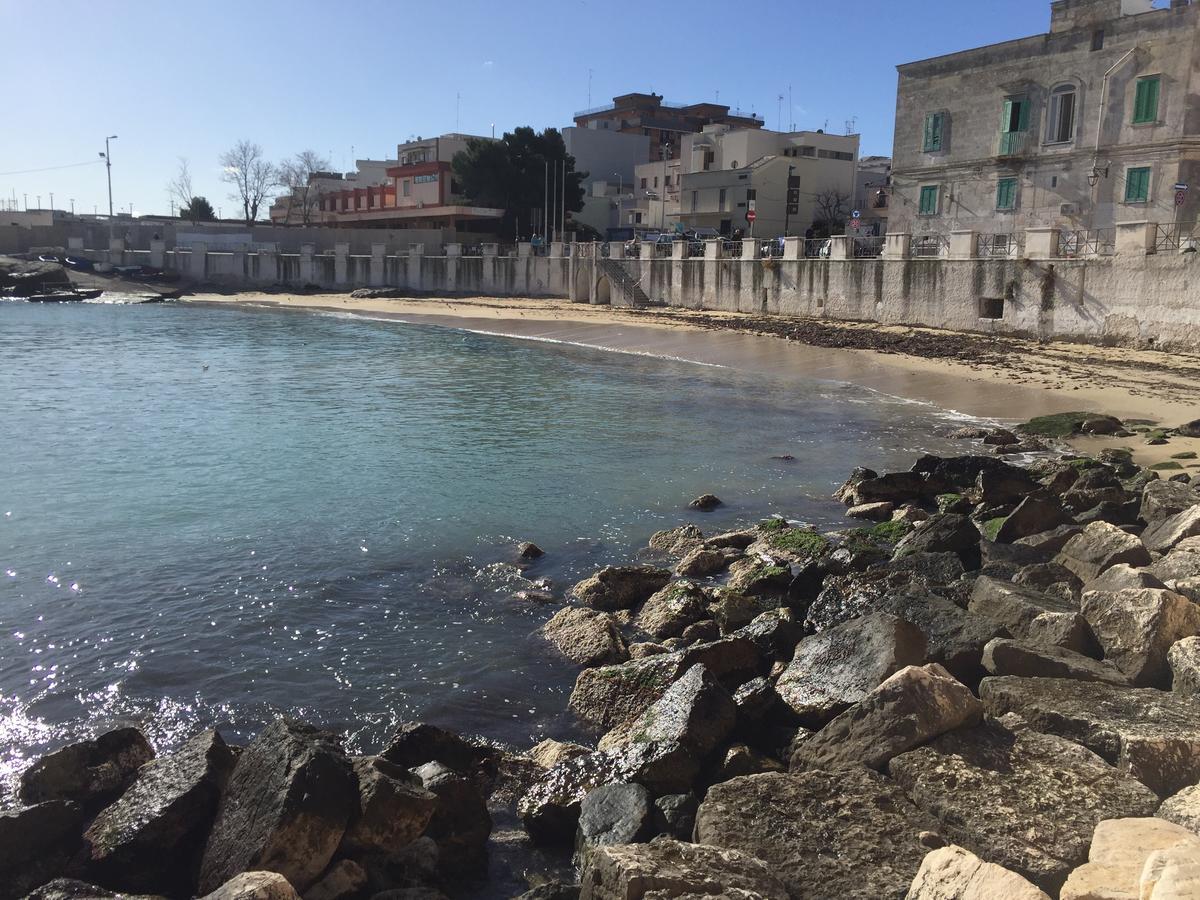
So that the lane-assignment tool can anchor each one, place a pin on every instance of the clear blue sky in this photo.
(174, 79)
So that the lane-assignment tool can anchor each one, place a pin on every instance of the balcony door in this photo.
(1014, 124)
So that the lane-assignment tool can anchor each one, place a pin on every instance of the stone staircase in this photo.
(623, 284)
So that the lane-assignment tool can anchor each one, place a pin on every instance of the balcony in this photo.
(1013, 143)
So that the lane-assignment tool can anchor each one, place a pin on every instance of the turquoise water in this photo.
(323, 520)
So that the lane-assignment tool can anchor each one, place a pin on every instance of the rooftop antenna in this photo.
(851, 123)
(457, 107)
(589, 105)
(791, 111)
(779, 112)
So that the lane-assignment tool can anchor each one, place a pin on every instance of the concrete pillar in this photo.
(378, 265)
(199, 261)
(240, 268)
(1041, 243)
(616, 249)
(116, 251)
(454, 250)
(793, 247)
(897, 246)
(453, 255)
(645, 250)
(75, 244)
(556, 249)
(268, 266)
(491, 249)
(1135, 238)
(839, 247)
(524, 249)
(679, 250)
(712, 249)
(962, 244)
(749, 248)
(158, 253)
(341, 263)
(307, 251)
(416, 266)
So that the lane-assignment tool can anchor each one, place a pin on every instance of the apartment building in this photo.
(664, 123)
(1094, 123)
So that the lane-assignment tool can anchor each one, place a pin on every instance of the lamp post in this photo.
(107, 155)
(620, 191)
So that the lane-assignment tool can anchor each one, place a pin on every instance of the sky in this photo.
(352, 79)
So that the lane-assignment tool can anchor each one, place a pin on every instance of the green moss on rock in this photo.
(991, 527)
(1059, 425)
(1166, 466)
(799, 540)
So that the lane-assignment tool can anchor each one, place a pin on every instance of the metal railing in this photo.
(1001, 245)
(818, 248)
(1166, 238)
(731, 248)
(869, 247)
(1013, 143)
(1081, 244)
(929, 246)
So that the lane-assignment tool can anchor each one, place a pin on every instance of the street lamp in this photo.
(107, 157)
(620, 191)
(1095, 175)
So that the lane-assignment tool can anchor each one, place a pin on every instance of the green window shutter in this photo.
(1023, 115)
(1006, 193)
(933, 132)
(1006, 120)
(929, 200)
(1137, 185)
(1145, 100)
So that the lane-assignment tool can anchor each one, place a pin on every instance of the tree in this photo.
(832, 208)
(296, 176)
(198, 209)
(510, 174)
(179, 188)
(251, 176)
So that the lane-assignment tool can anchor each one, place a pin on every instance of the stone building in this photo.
(1092, 124)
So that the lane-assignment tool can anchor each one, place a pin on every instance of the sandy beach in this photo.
(995, 378)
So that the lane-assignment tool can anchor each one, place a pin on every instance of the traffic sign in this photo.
(1181, 186)
(856, 215)
(750, 215)
(750, 204)
(1180, 198)
(855, 222)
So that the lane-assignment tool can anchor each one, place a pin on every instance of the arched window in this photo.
(1060, 124)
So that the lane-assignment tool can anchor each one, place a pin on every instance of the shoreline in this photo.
(995, 380)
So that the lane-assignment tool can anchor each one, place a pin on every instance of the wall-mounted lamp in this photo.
(1096, 174)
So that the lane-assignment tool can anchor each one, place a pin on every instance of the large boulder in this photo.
(549, 753)
(91, 772)
(1033, 515)
(150, 840)
(952, 873)
(705, 561)
(1122, 577)
(36, 844)
(1183, 809)
(620, 587)
(586, 636)
(1152, 735)
(845, 597)
(669, 611)
(1099, 547)
(911, 707)
(676, 541)
(265, 885)
(285, 808)
(461, 822)
(774, 633)
(696, 712)
(615, 814)
(1169, 532)
(393, 807)
(73, 889)
(1184, 659)
(849, 834)
(1024, 800)
(954, 637)
(415, 743)
(343, 880)
(835, 669)
(1137, 628)
(1004, 656)
(1032, 616)
(665, 868)
(944, 533)
(1118, 855)
(1163, 499)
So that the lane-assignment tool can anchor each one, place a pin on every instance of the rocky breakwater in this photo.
(989, 691)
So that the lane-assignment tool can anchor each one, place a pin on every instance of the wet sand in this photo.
(1004, 380)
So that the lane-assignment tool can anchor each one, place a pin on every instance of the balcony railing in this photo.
(1013, 143)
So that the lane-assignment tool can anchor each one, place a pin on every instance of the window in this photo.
(1060, 124)
(1145, 101)
(643, 184)
(1006, 193)
(696, 200)
(934, 128)
(1098, 39)
(407, 187)
(656, 181)
(929, 201)
(1016, 115)
(721, 200)
(1137, 185)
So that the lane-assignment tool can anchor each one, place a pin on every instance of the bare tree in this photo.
(251, 176)
(179, 188)
(832, 209)
(296, 176)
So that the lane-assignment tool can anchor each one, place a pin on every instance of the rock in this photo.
(150, 840)
(895, 487)
(943, 533)
(669, 611)
(644, 649)
(1171, 874)
(1033, 515)
(774, 633)
(461, 822)
(706, 502)
(705, 561)
(847, 835)
(1097, 424)
(1189, 429)
(911, 707)
(393, 807)
(1181, 563)
(526, 550)
(675, 815)
(962, 472)
(255, 886)
(1051, 579)
(89, 772)
(1169, 532)
(910, 514)
(998, 488)
(1099, 547)
(953, 873)
(753, 577)
(1184, 660)
(285, 808)
(1118, 854)
(737, 540)
(955, 638)
(835, 669)
(741, 759)
(1162, 500)
(416, 743)
(534, 596)
(1123, 577)
(1025, 800)
(549, 753)
(872, 512)
(344, 879)
(1032, 616)
(1183, 809)
(1053, 540)
(554, 890)
(999, 437)
(36, 844)
(696, 712)
(1153, 735)
(732, 611)
(71, 889)
(665, 868)
(621, 587)
(1137, 627)
(586, 636)
(676, 541)
(615, 814)
(1008, 657)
